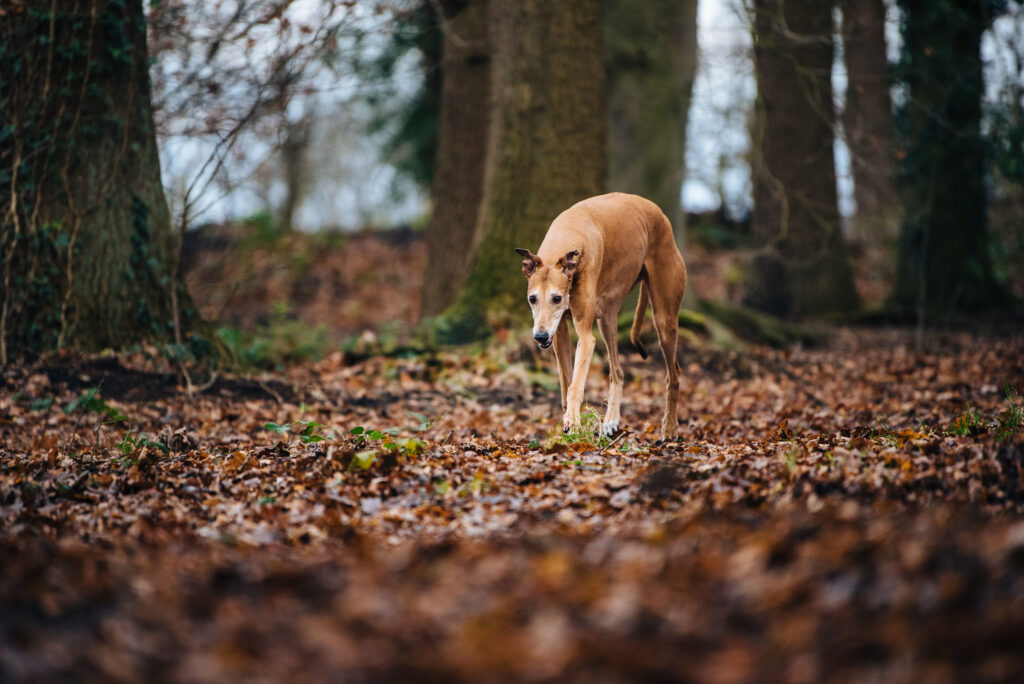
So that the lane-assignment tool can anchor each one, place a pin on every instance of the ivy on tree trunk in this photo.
(89, 256)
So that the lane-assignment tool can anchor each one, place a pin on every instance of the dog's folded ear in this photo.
(570, 262)
(531, 262)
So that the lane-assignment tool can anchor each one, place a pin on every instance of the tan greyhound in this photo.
(594, 253)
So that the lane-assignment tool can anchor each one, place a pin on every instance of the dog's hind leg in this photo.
(563, 356)
(668, 282)
(609, 333)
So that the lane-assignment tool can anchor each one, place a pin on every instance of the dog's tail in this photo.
(638, 319)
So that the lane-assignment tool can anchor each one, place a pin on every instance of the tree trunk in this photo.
(944, 257)
(462, 145)
(546, 149)
(869, 124)
(89, 255)
(869, 129)
(651, 57)
(801, 267)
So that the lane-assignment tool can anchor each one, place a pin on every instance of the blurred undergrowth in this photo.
(282, 341)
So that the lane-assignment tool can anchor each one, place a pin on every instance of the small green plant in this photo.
(43, 404)
(967, 423)
(133, 442)
(387, 442)
(362, 435)
(90, 402)
(423, 421)
(309, 431)
(364, 459)
(1012, 418)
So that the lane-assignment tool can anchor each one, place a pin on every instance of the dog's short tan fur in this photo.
(594, 253)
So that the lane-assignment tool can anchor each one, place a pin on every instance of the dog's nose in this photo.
(541, 337)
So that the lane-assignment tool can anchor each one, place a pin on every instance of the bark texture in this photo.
(944, 262)
(801, 267)
(869, 124)
(546, 148)
(651, 54)
(462, 146)
(89, 255)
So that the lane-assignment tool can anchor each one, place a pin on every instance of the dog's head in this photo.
(547, 290)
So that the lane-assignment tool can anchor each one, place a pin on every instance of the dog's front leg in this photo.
(584, 353)
(563, 357)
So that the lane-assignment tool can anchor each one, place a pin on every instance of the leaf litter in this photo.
(840, 513)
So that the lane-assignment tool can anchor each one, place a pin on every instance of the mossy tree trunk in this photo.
(869, 126)
(801, 267)
(547, 145)
(89, 254)
(651, 53)
(944, 261)
(461, 152)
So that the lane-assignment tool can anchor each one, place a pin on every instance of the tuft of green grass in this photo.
(587, 434)
(967, 423)
(1012, 418)
(789, 458)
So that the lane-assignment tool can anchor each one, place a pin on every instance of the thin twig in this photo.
(208, 384)
(612, 443)
(269, 390)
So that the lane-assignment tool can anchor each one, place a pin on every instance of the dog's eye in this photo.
(556, 299)
(533, 299)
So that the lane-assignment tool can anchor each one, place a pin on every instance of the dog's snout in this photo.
(541, 337)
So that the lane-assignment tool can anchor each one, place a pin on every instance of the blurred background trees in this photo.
(546, 147)
(458, 178)
(945, 260)
(801, 266)
(814, 158)
(651, 56)
(869, 130)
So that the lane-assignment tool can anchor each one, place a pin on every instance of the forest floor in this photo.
(849, 512)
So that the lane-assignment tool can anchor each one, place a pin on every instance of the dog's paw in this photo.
(609, 428)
